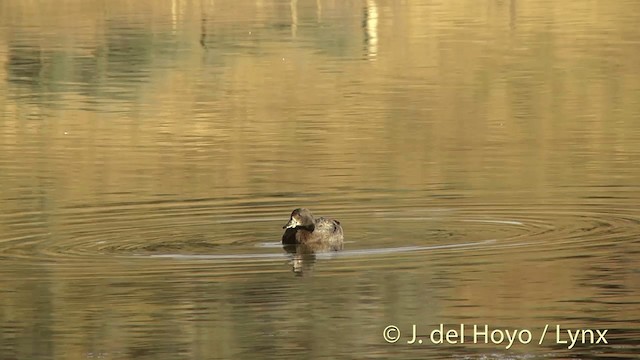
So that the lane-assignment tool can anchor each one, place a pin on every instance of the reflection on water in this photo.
(480, 155)
(370, 25)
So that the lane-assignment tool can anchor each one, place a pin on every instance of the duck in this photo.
(315, 234)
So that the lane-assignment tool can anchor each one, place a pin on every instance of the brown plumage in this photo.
(320, 234)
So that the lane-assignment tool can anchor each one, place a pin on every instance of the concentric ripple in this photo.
(204, 230)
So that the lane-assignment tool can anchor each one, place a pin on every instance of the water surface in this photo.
(482, 156)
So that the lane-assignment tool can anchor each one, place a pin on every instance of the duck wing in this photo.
(327, 225)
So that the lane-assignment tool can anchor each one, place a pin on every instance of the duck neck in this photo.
(309, 227)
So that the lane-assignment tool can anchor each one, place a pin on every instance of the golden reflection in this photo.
(110, 109)
(294, 17)
(371, 28)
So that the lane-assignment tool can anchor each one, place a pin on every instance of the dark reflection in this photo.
(30, 335)
(116, 68)
(303, 258)
(110, 70)
(513, 14)
(24, 64)
(129, 50)
(35, 74)
(203, 27)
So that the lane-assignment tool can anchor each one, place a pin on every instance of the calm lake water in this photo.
(482, 156)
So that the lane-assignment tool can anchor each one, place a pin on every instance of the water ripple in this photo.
(185, 231)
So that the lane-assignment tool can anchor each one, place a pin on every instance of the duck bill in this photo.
(291, 224)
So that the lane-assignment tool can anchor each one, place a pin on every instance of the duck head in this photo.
(301, 218)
